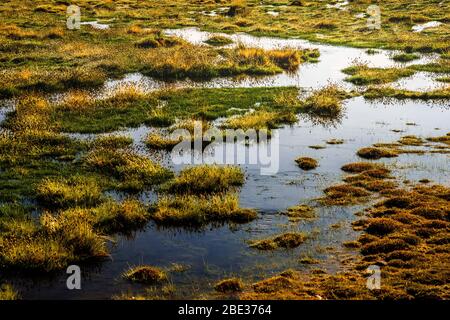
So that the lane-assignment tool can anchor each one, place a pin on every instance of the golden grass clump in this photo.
(301, 211)
(112, 142)
(7, 292)
(361, 74)
(145, 274)
(111, 217)
(359, 167)
(67, 192)
(344, 194)
(254, 120)
(229, 285)
(288, 240)
(307, 163)
(377, 153)
(326, 102)
(206, 179)
(133, 171)
(159, 142)
(192, 210)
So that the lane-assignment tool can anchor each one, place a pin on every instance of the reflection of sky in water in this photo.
(221, 251)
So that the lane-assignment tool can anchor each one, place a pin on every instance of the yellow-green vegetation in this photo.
(442, 139)
(112, 217)
(36, 60)
(388, 92)
(326, 102)
(361, 74)
(74, 191)
(130, 107)
(260, 120)
(34, 64)
(159, 142)
(229, 285)
(195, 211)
(335, 141)
(206, 179)
(156, 39)
(49, 245)
(7, 292)
(411, 141)
(112, 142)
(443, 79)
(306, 163)
(288, 240)
(55, 240)
(405, 57)
(218, 41)
(132, 171)
(376, 153)
(145, 274)
(301, 211)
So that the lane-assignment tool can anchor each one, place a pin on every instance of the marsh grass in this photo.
(389, 93)
(288, 240)
(129, 107)
(67, 192)
(229, 285)
(361, 74)
(134, 172)
(206, 179)
(307, 163)
(301, 211)
(196, 211)
(260, 120)
(7, 292)
(405, 57)
(160, 142)
(145, 274)
(326, 102)
(218, 41)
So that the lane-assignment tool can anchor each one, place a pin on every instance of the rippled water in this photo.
(221, 251)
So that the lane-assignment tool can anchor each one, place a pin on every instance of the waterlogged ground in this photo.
(217, 252)
(332, 60)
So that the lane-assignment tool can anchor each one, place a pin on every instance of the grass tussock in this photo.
(74, 191)
(306, 163)
(363, 75)
(196, 211)
(218, 41)
(159, 142)
(301, 211)
(145, 275)
(133, 172)
(229, 285)
(405, 57)
(7, 292)
(326, 102)
(288, 240)
(206, 179)
(376, 153)
(387, 92)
